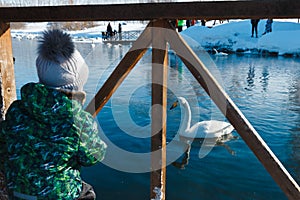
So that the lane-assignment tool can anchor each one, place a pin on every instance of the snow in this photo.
(235, 37)
(231, 37)
(34, 30)
(158, 193)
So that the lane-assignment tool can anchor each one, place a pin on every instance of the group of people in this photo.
(110, 32)
(47, 136)
(254, 23)
(179, 23)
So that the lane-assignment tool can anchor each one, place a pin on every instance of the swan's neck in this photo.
(185, 118)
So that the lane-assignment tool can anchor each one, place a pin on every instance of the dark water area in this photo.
(265, 89)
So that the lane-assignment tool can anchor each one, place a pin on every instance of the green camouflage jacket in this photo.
(45, 139)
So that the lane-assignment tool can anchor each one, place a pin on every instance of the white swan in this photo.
(219, 53)
(203, 129)
(93, 44)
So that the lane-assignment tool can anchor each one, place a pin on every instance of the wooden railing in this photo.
(159, 16)
(122, 37)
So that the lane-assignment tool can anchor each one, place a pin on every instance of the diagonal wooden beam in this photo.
(235, 116)
(134, 54)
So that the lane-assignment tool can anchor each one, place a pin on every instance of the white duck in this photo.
(203, 129)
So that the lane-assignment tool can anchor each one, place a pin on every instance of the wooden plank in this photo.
(7, 86)
(7, 77)
(159, 112)
(235, 117)
(148, 11)
(134, 54)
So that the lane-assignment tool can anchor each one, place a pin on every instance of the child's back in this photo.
(47, 136)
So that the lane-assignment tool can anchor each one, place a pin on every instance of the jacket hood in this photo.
(47, 104)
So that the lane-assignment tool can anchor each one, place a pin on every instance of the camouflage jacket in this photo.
(45, 139)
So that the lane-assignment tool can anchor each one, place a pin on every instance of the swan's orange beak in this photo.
(174, 105)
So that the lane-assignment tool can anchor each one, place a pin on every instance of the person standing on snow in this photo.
(109, 30)
(268, 26)
(180, 25)
(254, 23)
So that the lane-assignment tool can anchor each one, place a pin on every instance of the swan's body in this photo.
(93, 44)
(203, 129)
(219, 53)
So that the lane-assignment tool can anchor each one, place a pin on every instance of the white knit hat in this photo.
(59, 64)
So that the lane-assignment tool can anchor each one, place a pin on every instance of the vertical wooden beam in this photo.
(7, 85)
(271, 163)
(7, 77)
(159, 103)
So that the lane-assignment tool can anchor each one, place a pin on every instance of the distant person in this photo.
(188, 23)
(193, 22)
(173, 23)
(215, 21)
(203, 22)
(47, 136)
(120, 28)
(180, 24)
(254, 23)
(268, 28)
(109, 30)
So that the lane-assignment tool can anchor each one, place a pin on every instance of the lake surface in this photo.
(266, 90)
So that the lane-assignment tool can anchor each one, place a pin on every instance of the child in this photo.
(47, 136)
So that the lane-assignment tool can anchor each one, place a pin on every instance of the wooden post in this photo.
(159, 103)
(7, 77)
(7, 85)
(235, 116)
(159, 97)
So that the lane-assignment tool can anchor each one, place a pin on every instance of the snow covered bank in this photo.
(235, 37)
(35, 30)
(232, 37)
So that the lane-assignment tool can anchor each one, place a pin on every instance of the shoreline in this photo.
(231, 38)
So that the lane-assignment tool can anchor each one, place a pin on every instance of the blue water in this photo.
(266, 90)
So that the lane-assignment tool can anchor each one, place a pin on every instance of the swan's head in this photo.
(180, 100)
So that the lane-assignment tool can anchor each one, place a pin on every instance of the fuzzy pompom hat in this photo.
(59, 64)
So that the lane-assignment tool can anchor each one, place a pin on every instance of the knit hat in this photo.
(59, 64)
